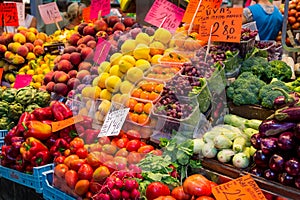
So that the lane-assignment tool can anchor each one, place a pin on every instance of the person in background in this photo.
(74, 15)
(267, 17)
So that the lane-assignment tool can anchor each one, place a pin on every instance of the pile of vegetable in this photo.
(277, 143)
(16, 101)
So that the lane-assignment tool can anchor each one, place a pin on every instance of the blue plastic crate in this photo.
(3, 133)
(29, 180)
(50, 192)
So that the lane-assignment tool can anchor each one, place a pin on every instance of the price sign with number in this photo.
(86, 12)
(99, 5)
(204, 5)
(8, 14)
(244, 188)
(50, 13)
(165, 14)
(113, 122)
(21, 12)
(226, 25)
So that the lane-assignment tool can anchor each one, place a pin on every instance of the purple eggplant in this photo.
(268, 145)
(271, 127)
(297, 131)
(297, 181)
(276, 163)
(255, 140)
(292, 167)
(287, 99)
(270, 175)
(288, 114)
(257, 171)
(286, 141)
(286, 179)
(261, 159)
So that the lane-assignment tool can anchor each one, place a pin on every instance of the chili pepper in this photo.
(12, 133)
(26, 116)
(41, 158)
(49, 122)
(76, 143)
(37, 129)
(43, 113)
(31, 147)
(68, 133)
(51, 140)
(59, 147)
(60, 110)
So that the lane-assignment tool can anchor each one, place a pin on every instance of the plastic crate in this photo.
(33, 181)
(2, 135)
(50, 192)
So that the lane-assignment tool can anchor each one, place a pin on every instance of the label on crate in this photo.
(243, 188)
(224, 24)
(102, 50)
(50, 13)
(204, 5)
(99, 5)
(22, 80)
(8, 14)
(165, 14)
(113, 122)
(59, 125)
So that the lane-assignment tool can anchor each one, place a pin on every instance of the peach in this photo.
(75, 58)
(9, 37)
(61, 77)
(85, 39)
(87, 53)
(22, 51)
(64, 65)
(89, 30)
(74, 38)
(9, 55)
(50, 86)
(92, 44)
(48, 77)
(30, 56)
(61, 89)
(21, 28)
(3, 48)
(30, 46)
(80, 47)
(42, 36)
(3, 40)
(13, 46)
(84, 66)
(112, 20)
(81, 74)
(18, 60)
(73, 83)
(57, 59)
(19, 37)
(72, 73)
(33, 30)
(70, 49)
(128, 21)
(100, 25)
(119, 26)
(30, 37)
(38, 42)
(65, 56)
(81, 27)
(38, 50)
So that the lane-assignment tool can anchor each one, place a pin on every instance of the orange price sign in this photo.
(243, 188)
(205, 5)
(86, 14)
(59, 125)
(226, 25)
(8, 14)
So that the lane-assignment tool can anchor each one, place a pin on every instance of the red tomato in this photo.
(82, 152)
(59, 160)
(178, 193)
(82, 187)
(145, 149)
(134, 157)
(114, 141)
(60, 170)
(122, 152)
(104, 140)
(85, 172)
(197, 185)
(133, 135)
(205, 198)
(157, 189)
(165, 198)
(76, 164)
(133, 145)
(122, 142)
(93, 159)
(69, 159)
(143, 143)
(71, 178)
(76, 143)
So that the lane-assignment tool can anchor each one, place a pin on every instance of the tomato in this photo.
(292, 12)
(136, 92)
(114, 141)
(101, 173)
(82, 187)
(178, 193)
(133, 145)
(145, 149)
(71, 178)
(134, 157)
(94, 159)
(111, 165)
(165, 198)
(104, 140)
(157, 189)
(76, 164)
(131, 103)
(205, 198)
(67, 152)
(291, 20)
(296, 26)
(94, 147)
(157, 152)
(85, 172)
(59, 160)
(122, 152)
(60, 170)
(82, 152)
(197, 185)
(122, 142)
(76, 143)
(133, 134)
(69, 159)
(133, 116)
(144, 95)
(95, 187)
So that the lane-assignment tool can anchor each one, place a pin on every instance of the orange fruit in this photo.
(147, 108)
(145, 95)
(149, 86)
(159, 88)
(138, 108)
(143, 118)
(153, 96)
(136, 92)
(131, 103)
(133, 116)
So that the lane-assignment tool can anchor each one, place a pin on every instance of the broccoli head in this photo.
(256, 65)
(267, 94)
(278, 69)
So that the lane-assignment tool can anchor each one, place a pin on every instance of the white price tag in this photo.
(50, 13)
(113, 122)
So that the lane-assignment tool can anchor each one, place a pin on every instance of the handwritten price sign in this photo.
(165, 14)
(226, 22)
(113, 122)
(8, 14)
(102, 50)
(99, 5)
(204, 5)
(50, 13)
(243, 188)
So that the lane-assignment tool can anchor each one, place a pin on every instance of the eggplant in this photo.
(261, 159)
(286, 179)
(288, 114)
(268, 145)
(297, 131)
(297, 181)
(292, 166)
(287, 99)
(271, 127)
(257, 171)
(255, 140)
(286, 141)
(270, 175)
(276, 163)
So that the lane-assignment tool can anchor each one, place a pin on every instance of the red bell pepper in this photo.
(51, 140)
(26, 116)
(20, 164)
(59, 147)
(12, 133)
(76, 143)
(31, 147)
(49, 122)
(37, 129)
(60, 110)
(68, 133)
(43, 113)
(8, 153)
(41, 158)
